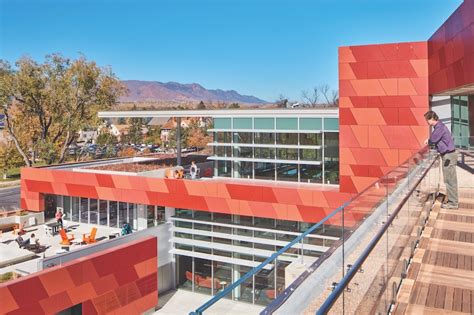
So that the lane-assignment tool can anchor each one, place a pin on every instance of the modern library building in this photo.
(273, 173)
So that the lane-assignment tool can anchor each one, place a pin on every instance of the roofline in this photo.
(222, 113)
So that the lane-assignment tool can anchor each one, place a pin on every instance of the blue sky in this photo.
(258, 47)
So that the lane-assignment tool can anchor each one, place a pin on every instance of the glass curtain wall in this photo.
(211, 276)
(106, 212)
(462, 113)
(297, 149)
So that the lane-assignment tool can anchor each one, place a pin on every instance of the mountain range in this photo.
(154, 91)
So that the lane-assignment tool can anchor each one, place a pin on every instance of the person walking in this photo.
(59, 217)
(442, 138)
(193, 170)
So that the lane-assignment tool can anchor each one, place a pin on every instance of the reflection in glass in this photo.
(223, 137)
(310, 154)
(84, 210)
(243, 169)
(311, 173)
(310, 138)
(223, 151)
(123, 215)
(224, 168)
(150, 215)
(264, 153)
(75, 209)
(331, 172)
(264, 171)
(287, 154)
(160, 214)
(103, 212)
(264, 138)
(245, 152)
(93, 213)
(113, 214)
(287, 138)
(242, 137)
(67, 207)
(287, 172)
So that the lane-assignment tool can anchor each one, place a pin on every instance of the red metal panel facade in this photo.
(383, 95)
(118, 280)
(451, 51)
(271, 201)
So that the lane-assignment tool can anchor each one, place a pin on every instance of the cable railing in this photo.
(352, 222)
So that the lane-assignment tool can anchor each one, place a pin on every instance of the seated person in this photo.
(126, 229)
(34, 241)
(21, 242)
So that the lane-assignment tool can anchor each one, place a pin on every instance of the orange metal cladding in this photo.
(303, 204)
(121, 280)
(383, 96)
(451, 51)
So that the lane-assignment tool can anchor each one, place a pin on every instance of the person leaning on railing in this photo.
(442, 138)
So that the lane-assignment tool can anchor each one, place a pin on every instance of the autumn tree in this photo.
(135, 134)
(9, 157)
(154, 135)
(55, 99)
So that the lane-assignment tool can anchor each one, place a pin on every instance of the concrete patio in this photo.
(23, 261)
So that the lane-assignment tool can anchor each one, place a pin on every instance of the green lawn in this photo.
(14, 173)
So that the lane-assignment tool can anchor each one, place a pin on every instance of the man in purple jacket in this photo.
(442, 138)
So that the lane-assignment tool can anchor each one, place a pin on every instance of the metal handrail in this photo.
(227, 290)
(341, 286)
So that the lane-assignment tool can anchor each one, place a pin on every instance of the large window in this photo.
(460, 120)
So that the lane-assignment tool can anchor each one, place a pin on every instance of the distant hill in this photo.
(154, 91)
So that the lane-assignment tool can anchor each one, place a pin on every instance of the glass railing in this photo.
(294, 280)
(373, 272)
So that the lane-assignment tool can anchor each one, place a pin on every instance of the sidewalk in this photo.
(12, 183)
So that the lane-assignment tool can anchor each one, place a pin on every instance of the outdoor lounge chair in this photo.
(65, 238)
(90, 237)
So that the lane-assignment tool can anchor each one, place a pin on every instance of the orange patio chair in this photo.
(90, 237)
(65, 238)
